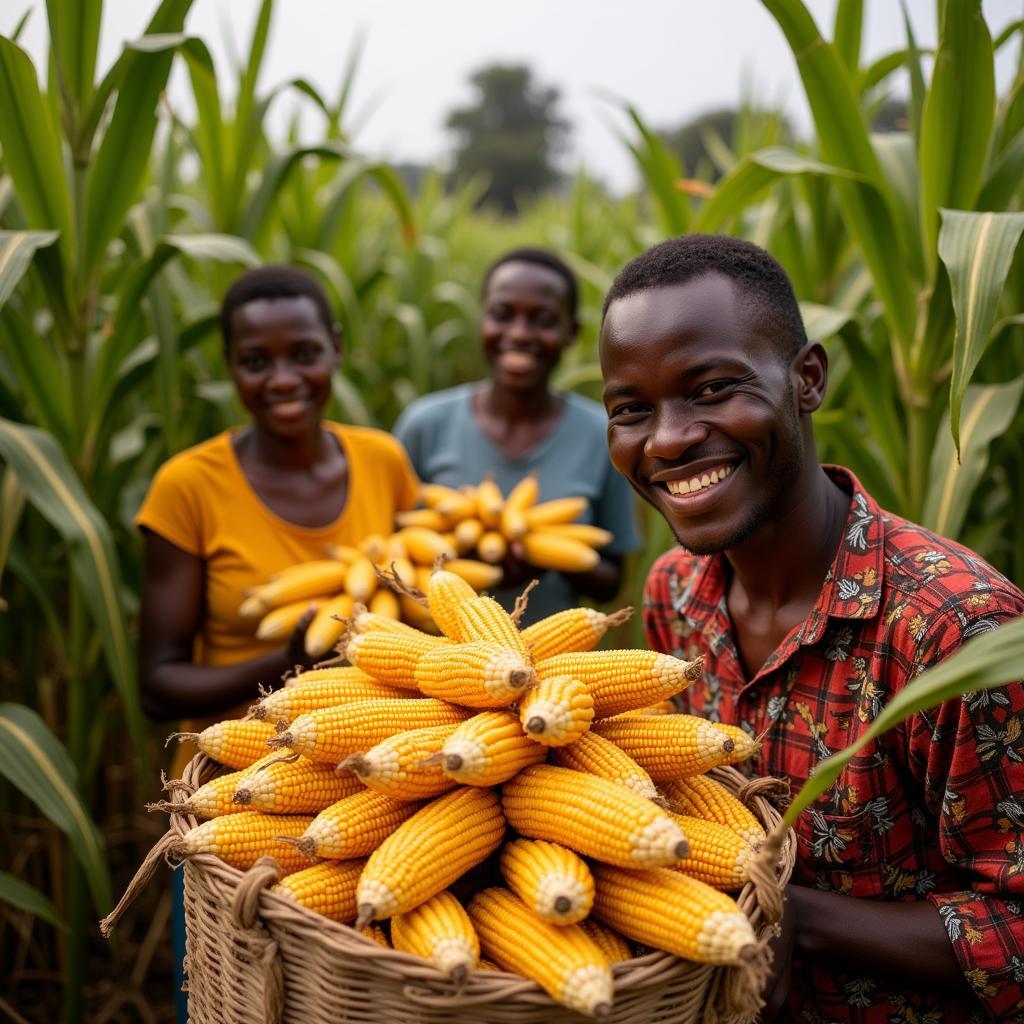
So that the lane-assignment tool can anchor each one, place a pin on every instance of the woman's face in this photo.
(526, 325)
(281, 357)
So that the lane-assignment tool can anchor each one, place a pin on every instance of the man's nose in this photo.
(672, 433)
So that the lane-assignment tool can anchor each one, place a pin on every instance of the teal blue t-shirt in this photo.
(446, 446)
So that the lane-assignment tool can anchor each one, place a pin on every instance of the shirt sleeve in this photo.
(173, 507)
(971, 751)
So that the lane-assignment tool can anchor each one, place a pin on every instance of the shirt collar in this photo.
(853, 585)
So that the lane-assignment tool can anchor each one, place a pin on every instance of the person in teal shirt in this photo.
(513, 424)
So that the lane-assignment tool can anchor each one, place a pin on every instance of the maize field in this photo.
(123, 219)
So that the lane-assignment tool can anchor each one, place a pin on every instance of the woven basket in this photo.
(255, 958)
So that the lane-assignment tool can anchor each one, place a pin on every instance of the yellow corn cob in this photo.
(520, 498)
(286, 785)
(366, 621)
(286, 704)
(241, 839)
(423, 577)
(425, 546)
(479, 575)
(575, 629)
(557, 711)
(609, 941)
(391, 655)
(385, 604)
(486, 965)
(343, 553)
(235, 742)
(492, 546)
(336, 672)
(744, 745)
(562, 554)
(467, 533)
(354, 826)
(482, 618)
(671, 911)
(488, 748)
(374, 546)
(567, 964)
(416, 615)
(550, 879)
(702, 796)
(210, 800)
(395, 549)
(328, 888)
(401, 766)
(278, 624)
(446, 593)
(331, 734)
(428, 518)
(599, 756)
(489, 503)
(592, 816)
(585, 533)
(452, 504)
(561, 510)
(478, 675)
(425, 854)
(296, 583)
(623, 680)
(361, 580)
(327, 626)
(439, 930)
(718, 856)
(375, 933)
(669, 746)
(404, 570)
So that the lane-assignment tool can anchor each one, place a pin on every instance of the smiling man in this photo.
(812, 607)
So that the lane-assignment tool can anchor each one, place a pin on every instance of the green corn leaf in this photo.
(345, 298)
(40, 376)
(351, 402)
(990, 659)
(16, 893)
(256, 217)
(1007, 34)
(74, 39)
(879, 70)
(32, 149)
(754, 175)
(977, 249)
(987, 413)
(957, 120)
(352, 174)
(56, 492)
(823, 322)
(17, 248)
(37, 764)
(918, 89)
(849, 23)
(1005, 177)
(12, 503)
(898, 157)
(843, 138)
(123, 156)
(661, 172)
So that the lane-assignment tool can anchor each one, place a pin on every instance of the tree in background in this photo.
(510, 135)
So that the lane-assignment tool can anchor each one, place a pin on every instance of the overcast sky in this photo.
(672, 59)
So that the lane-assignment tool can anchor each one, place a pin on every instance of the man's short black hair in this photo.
(763, 283)
(544, 258)
(273, 281)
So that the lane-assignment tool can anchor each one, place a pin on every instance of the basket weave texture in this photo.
(256, 958)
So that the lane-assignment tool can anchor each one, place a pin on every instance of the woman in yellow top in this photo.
(223, 516)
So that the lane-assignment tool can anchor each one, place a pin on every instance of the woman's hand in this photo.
(295, 650)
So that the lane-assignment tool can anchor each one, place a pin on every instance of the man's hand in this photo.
(782, 946)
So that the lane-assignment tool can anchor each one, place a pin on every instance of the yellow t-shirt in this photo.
(201, 501)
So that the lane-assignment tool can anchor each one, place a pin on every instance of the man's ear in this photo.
(810, 373)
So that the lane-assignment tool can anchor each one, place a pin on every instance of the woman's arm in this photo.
(171, 618)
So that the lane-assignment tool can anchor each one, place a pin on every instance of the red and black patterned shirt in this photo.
(934, 808)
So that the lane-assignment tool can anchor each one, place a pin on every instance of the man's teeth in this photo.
(698, 482)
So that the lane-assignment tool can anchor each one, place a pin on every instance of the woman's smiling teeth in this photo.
(698, 483)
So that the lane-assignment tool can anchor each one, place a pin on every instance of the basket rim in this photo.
(655, 967)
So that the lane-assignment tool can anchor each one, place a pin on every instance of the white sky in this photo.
(672, 59)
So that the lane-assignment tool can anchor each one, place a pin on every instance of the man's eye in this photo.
(629, 412)
(712, 388)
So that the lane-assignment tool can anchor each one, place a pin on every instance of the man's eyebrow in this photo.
(625, 391)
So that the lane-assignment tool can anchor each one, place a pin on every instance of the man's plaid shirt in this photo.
(934, 809)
